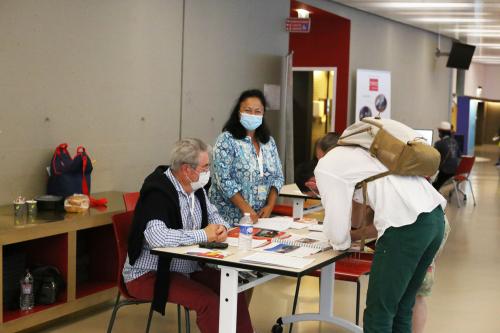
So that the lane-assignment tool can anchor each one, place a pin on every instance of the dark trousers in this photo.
(441, 178)
(402, 257)
(200, 293)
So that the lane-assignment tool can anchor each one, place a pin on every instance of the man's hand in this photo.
(266, 211)
(215, 233)
(212, 231)
(221, 233)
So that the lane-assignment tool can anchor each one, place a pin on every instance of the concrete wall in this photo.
(125, 78)
(421, 83)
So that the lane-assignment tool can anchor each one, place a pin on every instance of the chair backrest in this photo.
(121, 227)
(130, 200)
(465, 165)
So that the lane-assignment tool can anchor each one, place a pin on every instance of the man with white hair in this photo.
(450, 154)
(173, 210)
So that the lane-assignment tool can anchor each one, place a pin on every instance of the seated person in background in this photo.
(304, 173)
(450, 155)
(408, 221)
(173, 210)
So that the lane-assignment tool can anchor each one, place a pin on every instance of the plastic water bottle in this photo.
(27, 298)
(246, 233)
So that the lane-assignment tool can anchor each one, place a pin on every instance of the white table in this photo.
(298, 198)
(229, 284)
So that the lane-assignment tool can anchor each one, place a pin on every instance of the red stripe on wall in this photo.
(326, 45)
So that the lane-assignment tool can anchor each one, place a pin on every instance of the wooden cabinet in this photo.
(81, 246)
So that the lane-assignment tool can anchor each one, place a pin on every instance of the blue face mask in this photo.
(250, 121)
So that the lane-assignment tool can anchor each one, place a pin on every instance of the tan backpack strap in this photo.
(364, 185)
(365, 213)
(372, 178)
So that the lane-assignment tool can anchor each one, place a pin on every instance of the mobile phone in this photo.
(213, 245)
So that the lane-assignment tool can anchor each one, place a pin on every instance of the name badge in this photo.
(262, 192)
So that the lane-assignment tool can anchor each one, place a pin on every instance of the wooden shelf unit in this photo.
(53, 239)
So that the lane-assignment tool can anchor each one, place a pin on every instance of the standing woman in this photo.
(247, 173)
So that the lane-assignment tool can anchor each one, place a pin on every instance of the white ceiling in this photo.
(472, 22)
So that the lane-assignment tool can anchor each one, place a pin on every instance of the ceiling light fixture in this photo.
(489, 45)
(449, 20)
(303, 13)
(414, 13)
(478, 31)
(420, 5)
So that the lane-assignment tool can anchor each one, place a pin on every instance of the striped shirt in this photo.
(157, 234)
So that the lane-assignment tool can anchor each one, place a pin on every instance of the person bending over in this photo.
(408, 221)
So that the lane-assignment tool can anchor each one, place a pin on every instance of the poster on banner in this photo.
(373, 94)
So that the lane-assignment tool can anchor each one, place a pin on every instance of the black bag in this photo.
(69, 175)
(47, 283)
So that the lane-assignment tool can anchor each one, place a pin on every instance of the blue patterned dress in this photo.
(235, 168)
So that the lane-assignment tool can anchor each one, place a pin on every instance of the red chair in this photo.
(121, 228)
(130, 200)
(348, 269)
(462, 174)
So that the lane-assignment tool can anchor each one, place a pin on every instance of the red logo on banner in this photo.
(295, 24)
(373, 84)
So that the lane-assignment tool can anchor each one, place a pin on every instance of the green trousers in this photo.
(402, 257)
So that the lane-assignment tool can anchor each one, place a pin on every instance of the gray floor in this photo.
(465, 298)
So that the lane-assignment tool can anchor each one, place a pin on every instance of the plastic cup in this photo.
(31, 205)
(19, 209)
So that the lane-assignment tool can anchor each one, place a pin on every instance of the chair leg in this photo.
(179, 325)
(295, 299)
(472, 191)
(113, 314)
(188, 324)
(455, 185)
(358, 287)
(150, 315)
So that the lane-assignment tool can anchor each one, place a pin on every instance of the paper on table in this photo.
(274, 223)
(315, 227)
(233, 241)
(298, 225)
(277, 260)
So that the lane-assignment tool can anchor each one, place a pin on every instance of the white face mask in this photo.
(202, 180)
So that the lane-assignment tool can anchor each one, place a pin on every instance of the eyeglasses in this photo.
(203, 168)
(256, 111)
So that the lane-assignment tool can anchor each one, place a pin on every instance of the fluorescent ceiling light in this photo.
(484, 34)
(429, 5)
(478, 31)
(415, 13)
(419, 5)
(489, 45)
(449, 20)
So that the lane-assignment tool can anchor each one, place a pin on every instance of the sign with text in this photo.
(373, 94)
(295, 24)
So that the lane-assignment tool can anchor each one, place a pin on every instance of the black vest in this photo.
(159, 200)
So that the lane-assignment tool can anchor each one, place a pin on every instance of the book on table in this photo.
(315, 240)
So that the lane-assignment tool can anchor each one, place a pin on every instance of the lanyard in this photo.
(260, 163)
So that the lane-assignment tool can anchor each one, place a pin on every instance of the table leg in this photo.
(298, 208)
(326, 298)
(228, 305)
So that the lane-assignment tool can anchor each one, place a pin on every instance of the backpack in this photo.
(47, 283)
(69, 175)
(396, 146)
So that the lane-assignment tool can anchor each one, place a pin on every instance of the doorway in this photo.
(314, 91)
